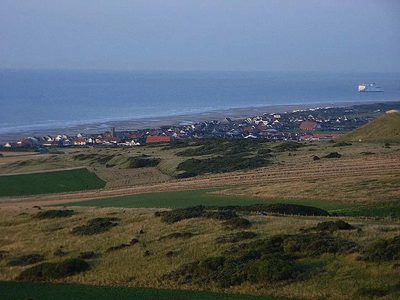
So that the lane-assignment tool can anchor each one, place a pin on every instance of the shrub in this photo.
(333, 226)
(383, 250)
(95, 226)
(179, 214)
(316, 244)
(333, 155)
(176, 235)
(25, 260)
(288, 146)
(51, 214)
(47, 271)
(275, 268)
(341, 144)
(119, 247)
(3, 254)
(237, 223)
(138, 162)
(220, 214)
(221, 164)
(285, 208)
(236, 237)
(87, 255)
(59, 252)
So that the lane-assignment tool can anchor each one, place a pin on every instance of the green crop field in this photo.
(49, 182)
(44, 291)
(177, 199)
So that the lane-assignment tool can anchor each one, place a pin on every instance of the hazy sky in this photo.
(265, 35)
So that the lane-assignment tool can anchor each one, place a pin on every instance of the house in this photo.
(309, 126)
(80, 142)
(158, 139)
(11, 145)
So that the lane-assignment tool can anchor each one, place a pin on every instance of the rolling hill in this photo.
(384, 129)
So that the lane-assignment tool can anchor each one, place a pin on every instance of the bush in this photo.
(3, 254)
(87, 255)
(288, 146)
(95, 226)
(25, 260)
(383, 250)
(179, 214)
(317, 244)
(237, 223)
(333, 226)
(236, 237)
(51, 214)
(333, 155)
(47, 271)
(60, 253)
(341, 144)
(176, 235)
(220, 214)
(285, 208)
(221, 164)
(275, 268)
(119, 247)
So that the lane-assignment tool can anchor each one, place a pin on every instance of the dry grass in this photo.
(21, 234)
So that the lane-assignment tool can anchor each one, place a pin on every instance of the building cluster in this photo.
(295, 125)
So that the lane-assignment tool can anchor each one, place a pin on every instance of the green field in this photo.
(47, 291)
(49, 182)
(177, 199)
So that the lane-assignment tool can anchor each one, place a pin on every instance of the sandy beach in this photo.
(156, 122)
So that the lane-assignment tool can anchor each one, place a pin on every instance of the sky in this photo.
(227, 35)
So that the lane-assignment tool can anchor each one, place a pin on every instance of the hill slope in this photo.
(384, 128)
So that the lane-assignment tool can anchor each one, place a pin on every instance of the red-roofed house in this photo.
(309, 126)
(158, 139)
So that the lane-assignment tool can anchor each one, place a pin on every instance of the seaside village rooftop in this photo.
(315, 124)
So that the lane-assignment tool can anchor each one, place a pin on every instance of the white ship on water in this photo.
(369, 87)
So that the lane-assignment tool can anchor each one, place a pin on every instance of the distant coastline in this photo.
(156, 122)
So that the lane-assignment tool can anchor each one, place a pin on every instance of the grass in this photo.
(44, 291)
(384, 210)
(49, 182)
(20, 234)
(178, 199)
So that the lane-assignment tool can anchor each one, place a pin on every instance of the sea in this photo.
(40, 100)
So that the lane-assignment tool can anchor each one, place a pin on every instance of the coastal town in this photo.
(314, 124)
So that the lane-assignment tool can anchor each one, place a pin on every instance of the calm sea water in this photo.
(39, 100)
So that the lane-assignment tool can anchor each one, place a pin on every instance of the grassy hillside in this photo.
(49, 182)
(279, 256)
(384, 129)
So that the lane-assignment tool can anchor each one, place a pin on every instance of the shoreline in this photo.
(173, 120)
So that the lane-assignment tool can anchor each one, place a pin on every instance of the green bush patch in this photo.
(332, 226)
(383, 250)
(220, 164)
(87, 255)
(51, 214)
(199, 211)
(176, 235)
(47, 271)
(284, 208)
(25, 260)
(119, 247)
(333, 155)
(95, 226)
(237, 223)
